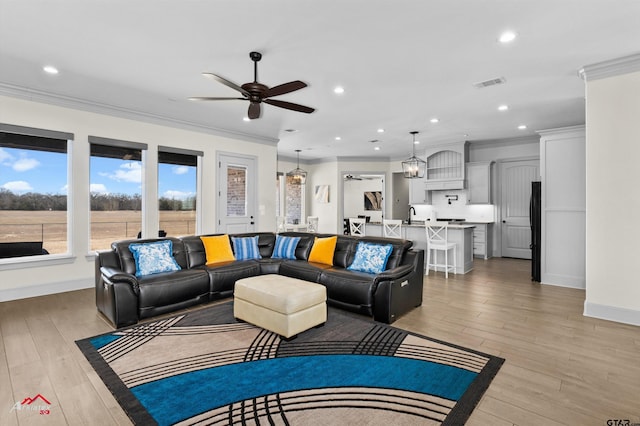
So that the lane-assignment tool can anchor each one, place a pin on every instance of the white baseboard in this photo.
(612, 313)
(44, 289)
(564, 280)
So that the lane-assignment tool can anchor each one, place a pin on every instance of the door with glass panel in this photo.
(237, 193)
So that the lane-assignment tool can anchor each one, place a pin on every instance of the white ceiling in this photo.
(401, 63)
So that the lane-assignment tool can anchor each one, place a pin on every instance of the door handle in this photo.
(504, 221)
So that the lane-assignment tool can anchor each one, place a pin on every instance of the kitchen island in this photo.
(416, 232)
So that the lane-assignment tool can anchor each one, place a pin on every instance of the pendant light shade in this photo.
(297, 175)
(414, 167)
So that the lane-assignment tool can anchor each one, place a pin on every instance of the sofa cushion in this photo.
(224, 275)
(302, 269)
(353, 290)
(128, 263)
(154, 257)
(371, 258)
(323, 250)
(245, 248)
(217, 248)
(170, 288)
(285, 247)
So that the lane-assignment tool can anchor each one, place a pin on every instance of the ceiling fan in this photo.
(256, 93)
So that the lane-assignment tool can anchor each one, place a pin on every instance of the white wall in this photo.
(613, 197)
(32, 278)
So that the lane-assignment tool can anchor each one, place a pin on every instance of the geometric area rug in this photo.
(204, 368)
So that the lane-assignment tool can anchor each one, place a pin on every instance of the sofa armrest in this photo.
(114, 275)
(395, 273)
(400, 293)
(117, 299)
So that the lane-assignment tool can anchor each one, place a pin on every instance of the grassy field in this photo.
(50, 227)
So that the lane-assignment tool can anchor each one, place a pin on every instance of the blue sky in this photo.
(24, 171)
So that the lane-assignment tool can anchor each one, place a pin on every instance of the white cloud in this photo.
(98, 188)
(5, 157)
(24, 164)
(180, 170)
(177, 195)
(17, 186)
(128, 172)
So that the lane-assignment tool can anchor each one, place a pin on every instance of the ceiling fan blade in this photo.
(289, 105)
(254, 110)
(209, 98)
(226, 82)
(289, 87)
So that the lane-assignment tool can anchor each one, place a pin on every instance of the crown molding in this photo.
(610, 68)
(121, 112)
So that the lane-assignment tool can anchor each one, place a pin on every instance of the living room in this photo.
(609, 119)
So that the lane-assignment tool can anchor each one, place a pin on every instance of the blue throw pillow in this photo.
(245, 248)
(371, 258)
(285, 247)
(155, 257)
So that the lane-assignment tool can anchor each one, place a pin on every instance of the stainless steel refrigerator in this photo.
(535, 220)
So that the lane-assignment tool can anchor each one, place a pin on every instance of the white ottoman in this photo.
(286, 306)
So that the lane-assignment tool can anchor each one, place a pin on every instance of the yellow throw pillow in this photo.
(323, 249)
(218, 248)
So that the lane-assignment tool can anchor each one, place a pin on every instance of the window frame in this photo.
(199, 155)
(55, 258)
(117, 144)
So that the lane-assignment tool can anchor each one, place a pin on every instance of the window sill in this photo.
(35, 261)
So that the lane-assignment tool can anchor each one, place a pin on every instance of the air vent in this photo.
(492, 82)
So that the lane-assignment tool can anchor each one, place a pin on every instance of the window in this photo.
(236, 191)
(33, 191)
(177, 187)
(115, 190)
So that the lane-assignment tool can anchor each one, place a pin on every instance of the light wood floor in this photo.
(561, 368)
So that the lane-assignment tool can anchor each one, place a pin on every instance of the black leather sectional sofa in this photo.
(125, 299)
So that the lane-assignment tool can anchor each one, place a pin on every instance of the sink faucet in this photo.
(409, 218)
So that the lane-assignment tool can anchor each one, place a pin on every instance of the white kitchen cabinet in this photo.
(445, 166)
(418, 192)
(482, 239)
(479, 182)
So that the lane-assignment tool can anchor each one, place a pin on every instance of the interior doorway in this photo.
(363, 194)
(400, 191)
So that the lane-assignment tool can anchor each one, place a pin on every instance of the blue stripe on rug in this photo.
(180, 397)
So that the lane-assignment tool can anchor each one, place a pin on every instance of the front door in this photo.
(236, 194)
(515, 180)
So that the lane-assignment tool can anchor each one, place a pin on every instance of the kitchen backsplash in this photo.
(458, 209)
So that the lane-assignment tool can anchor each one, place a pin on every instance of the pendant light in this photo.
(414, 167)
(298, 176)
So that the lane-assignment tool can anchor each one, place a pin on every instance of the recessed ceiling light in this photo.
(434, 120)
(377, 148)
(246, 119)
(381, 130)
(503, 107)
(339, 90)
(416, 142)
(338, 138)
(522, 127)
(50, 69)
(507, 37)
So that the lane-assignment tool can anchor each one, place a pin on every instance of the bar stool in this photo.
(356, 226)
(392, 228)
(437, 240)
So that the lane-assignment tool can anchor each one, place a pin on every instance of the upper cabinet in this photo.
(479, 182)
(446, 166)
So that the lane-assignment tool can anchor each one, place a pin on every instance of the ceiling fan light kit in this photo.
(414, 167)
(257, 93)
(297, 175)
